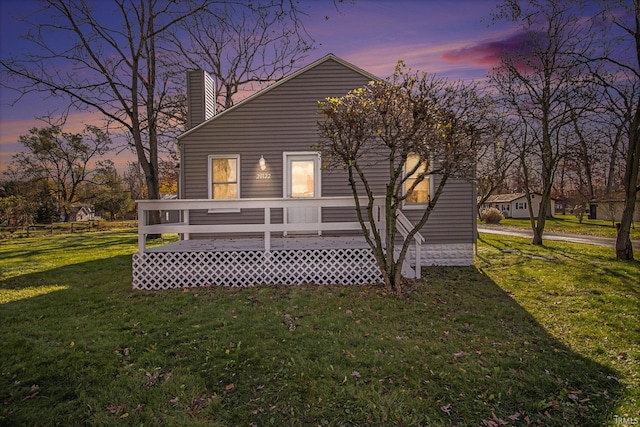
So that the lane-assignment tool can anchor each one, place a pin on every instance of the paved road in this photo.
(573, 238)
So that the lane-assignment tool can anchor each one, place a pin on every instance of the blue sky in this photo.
(452, 38)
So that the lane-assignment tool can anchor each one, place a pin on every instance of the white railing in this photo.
(267, 227)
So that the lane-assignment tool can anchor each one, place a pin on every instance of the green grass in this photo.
(547, 336)
(569, 224)
(43, 230)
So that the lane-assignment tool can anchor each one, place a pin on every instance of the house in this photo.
(610, 206)
(514, 205)
(257, 205)
(82, 213)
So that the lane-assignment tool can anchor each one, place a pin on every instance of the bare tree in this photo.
(108, 60)
(495, 161)
(241, 44)
(384, 124)
(617, 70)
(116, 60)
(64, 159)
(540, 81)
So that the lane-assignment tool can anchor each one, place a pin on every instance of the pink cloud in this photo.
(488, 53)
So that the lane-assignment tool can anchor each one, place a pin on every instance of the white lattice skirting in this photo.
(166, 270)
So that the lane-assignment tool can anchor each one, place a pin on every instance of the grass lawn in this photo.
(541, 336)
(569, 224)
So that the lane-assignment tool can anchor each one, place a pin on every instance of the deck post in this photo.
(267, 232)
(142, 215)
(418, 259)
(185, 216)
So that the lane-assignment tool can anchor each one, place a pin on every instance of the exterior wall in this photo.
(612, 211)
(283, 119)
(504, 207)
(510, 208)
(523, 213)
(453, 219)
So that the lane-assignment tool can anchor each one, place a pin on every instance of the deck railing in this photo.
(267, 227)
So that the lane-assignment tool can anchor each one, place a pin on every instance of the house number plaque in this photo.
(263, 175)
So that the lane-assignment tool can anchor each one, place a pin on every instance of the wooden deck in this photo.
(272, 259)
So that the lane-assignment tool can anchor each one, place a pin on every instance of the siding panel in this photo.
(284, 118)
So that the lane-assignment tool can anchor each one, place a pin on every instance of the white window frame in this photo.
(210, 159)
(416, 206)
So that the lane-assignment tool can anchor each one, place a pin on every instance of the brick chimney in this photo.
(201, 97)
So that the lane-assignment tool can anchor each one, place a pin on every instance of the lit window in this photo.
(223, 173)
(420, 194)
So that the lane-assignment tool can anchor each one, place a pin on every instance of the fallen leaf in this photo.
(457, 356)
(446, 409)
(494, 421)
(34, 392)
(116, 409)
(173, 402)
(229, 387)
(31, 396)
(200, 402)
(356, 374)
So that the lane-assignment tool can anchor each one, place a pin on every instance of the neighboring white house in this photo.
(515, 205)
(83, 213)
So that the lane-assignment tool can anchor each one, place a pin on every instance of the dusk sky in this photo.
(452, 38)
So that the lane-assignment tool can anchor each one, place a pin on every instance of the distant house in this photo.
(258, 205)
(515, 205)
(81, 213)
(610, 206)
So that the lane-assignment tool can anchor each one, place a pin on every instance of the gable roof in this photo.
(328, 57)
(504, 198)
(614, 196)
(510, 197)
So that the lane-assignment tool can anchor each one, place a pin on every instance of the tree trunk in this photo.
(624, 249)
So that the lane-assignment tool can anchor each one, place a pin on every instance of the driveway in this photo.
(572, 238)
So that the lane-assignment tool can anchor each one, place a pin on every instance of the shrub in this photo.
(491, 216)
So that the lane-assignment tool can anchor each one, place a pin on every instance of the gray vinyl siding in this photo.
(283, 119)
(453, 219)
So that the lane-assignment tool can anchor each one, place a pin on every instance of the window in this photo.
(521, 205)
(223, 177)
(420, 194)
